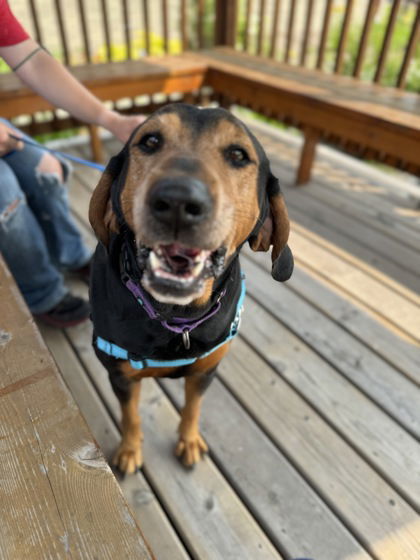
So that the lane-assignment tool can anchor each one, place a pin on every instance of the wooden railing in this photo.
(113, 31)
(336, 36)
(261, 24)
(177, 25)
(310, 33)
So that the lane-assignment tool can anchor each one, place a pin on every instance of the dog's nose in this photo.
(180, 201)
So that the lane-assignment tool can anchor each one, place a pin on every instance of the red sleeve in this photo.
(11, 31)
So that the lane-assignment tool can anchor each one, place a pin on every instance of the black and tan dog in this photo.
(171, 212)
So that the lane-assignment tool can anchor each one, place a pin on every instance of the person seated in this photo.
(38, 237)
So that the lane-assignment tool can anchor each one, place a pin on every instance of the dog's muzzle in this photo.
(179, 261)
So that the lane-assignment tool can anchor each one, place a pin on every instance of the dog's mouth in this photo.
(177, 263)
(175, 272)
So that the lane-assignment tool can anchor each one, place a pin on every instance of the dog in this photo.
(171, 213)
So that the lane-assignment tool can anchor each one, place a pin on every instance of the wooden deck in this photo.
(314, 420)
(59, 498)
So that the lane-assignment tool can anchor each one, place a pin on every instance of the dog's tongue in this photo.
(180, 259)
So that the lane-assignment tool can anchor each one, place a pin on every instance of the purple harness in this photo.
(179, 325)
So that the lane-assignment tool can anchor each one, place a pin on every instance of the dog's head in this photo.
(192, 185)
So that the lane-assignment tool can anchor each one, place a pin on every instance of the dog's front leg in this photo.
(198, 377)
(128, 458)
(190, 444)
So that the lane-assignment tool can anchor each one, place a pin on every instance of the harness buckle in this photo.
(220, 296)
(186, 339)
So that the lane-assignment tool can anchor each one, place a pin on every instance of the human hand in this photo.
(121, 125)
(8, 144)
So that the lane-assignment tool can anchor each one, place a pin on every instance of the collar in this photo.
(179, 325)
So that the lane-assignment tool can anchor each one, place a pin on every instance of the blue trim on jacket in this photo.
(122, 354)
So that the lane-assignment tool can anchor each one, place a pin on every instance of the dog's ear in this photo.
(101, 215)
(275, 232)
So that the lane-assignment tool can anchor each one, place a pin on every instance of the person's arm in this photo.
(51, 80)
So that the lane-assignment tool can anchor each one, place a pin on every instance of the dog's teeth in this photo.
(197, 268)
(154, 261)
(185, 281)
(161, 268)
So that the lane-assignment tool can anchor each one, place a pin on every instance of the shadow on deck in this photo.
(313, 422)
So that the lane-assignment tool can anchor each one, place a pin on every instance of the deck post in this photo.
(95, 143)
(307, 156)
(225, 27)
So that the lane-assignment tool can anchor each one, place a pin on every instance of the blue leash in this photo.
(76, 159)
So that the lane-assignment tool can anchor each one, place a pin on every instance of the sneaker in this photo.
(71, 311)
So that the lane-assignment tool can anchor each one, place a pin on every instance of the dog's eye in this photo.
(237, 156)
(150, 143)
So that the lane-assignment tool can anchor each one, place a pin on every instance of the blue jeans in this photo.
(38, 236)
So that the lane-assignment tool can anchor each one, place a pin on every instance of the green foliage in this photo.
(62, 134)
(209, 16)
(400, 37)
(241, 28)
(138, 47)
(396, 51)
(4, 68)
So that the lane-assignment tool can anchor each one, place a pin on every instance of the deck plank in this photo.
(363, 190)
(138, 493)
(378, 296)
(59, 497)
(350, 196)
(392, 391)
(375, 512)
(367, 257)
(289, 510)
(404, 356)
(356, 209)
(79, 199)
(391, 450)
(387, 214)
(377, 241)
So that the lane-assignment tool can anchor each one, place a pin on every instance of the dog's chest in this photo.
(119, 318)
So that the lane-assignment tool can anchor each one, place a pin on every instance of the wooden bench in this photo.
(109, 82)
(368, 120)
(253, 70)
(59, 496)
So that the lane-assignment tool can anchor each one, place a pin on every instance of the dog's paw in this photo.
(190, 450)
(128, 459)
